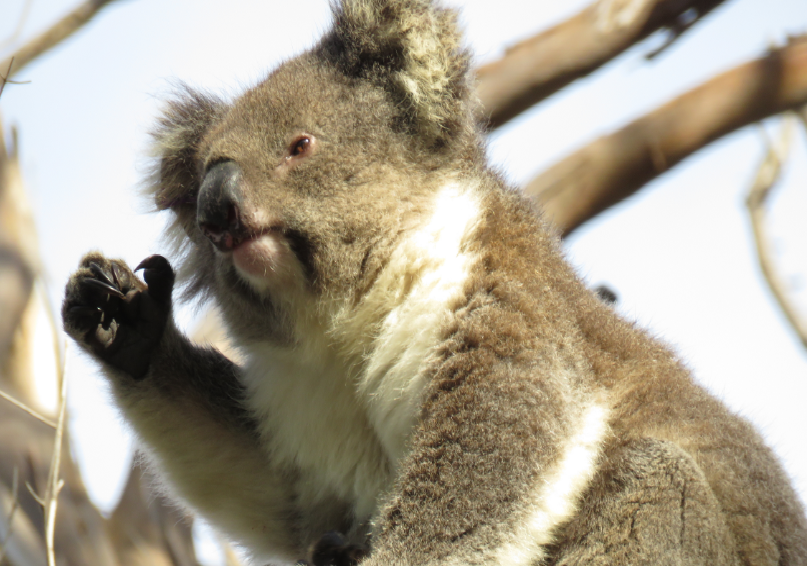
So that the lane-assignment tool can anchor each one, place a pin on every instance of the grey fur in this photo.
(425, 373)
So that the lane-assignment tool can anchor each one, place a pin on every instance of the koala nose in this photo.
(218, 211)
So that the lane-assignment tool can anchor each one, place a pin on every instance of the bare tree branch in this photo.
(57, 33)
(535, 68)
(765, 180)
(615, 166)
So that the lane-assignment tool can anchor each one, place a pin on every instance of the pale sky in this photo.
(680, 254)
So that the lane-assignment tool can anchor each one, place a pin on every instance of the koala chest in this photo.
(313, 422)
(344, 420)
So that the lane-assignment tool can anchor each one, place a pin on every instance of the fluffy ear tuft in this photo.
(414, 50)
(175, 179)
(182, 126)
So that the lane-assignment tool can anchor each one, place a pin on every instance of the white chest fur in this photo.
(346, 422)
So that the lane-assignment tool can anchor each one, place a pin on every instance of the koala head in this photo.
(294, 193)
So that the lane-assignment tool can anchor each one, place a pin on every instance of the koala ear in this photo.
(413, 49)
(181, 128)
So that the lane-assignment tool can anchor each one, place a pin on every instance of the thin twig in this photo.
(4, 80)
(57, 33)
(55, 484)
(675, 31)
(34, 494)
(758, 194)
(12, 511)
(27, 409)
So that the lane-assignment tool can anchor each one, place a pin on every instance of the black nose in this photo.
(218, 211)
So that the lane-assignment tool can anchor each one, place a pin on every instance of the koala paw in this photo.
(109, 311)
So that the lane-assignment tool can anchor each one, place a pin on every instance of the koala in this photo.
(425, 379)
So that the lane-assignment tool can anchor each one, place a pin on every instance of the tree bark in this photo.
(615, 166)
(536, 68)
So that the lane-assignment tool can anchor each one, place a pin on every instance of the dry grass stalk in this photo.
(27, 409)
(55, 484)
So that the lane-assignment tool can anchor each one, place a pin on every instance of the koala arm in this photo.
(187, 412)
(183, 401)
(499, 459)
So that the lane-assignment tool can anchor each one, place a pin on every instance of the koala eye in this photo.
(301, 146)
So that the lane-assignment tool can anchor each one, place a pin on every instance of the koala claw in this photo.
(155, 261)
(104, 287)
(159, 276)
(99, 273)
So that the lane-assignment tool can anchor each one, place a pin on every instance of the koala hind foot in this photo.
(115, 315)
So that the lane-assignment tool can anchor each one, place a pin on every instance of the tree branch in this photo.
(57, 33)
(765, 180)
(615, 166)
(534, 69)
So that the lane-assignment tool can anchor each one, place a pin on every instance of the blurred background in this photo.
(679, 252)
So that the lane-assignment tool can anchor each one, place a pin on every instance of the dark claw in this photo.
(99, 273)
(105, 287)
(85, 311)
(159, 277)
(155, 261)
(115, 277)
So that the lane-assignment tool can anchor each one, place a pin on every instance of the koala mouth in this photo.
(246, 239)
(261, 254)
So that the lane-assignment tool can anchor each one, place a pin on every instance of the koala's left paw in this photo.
(333, 549)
